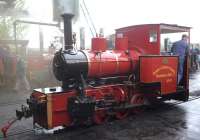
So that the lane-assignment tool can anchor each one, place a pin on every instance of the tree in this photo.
(13, 9)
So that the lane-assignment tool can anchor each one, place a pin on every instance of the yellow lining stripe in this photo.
(49, 111)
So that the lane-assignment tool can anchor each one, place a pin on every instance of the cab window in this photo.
(153, 36)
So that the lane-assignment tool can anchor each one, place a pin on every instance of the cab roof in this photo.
(164, 28)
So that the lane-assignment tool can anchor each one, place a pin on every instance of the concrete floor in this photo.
(166, 122)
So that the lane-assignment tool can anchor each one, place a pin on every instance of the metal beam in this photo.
(37, 23)
(29, 22)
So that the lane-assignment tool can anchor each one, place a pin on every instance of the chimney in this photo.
(67, 19)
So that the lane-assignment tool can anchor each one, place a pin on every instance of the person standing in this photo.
(6, 63)
(21, 80)
(181, 49)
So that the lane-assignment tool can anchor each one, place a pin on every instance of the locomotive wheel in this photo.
(137, 99)
(99, 117)
(121, 96)
(122, 114)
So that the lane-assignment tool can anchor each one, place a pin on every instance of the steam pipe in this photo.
(67, 18)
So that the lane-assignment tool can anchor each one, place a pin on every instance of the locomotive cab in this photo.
(150, 41)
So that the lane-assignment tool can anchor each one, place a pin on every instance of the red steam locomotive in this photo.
(99, 83)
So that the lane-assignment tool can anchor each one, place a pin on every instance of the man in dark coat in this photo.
(181, 48)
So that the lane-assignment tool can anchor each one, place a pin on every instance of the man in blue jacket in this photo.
(181, 48)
